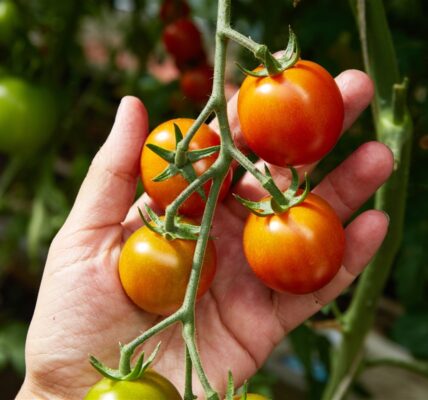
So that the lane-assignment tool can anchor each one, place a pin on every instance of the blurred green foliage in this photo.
(92, 53)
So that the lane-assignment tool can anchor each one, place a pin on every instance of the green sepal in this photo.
(189, 174)
(275, 66)
(170, 171)
(196, 155)
(136, 372)
(230, 386)
(167, 155)
(178, 134)
(181, 230)
(271, 206)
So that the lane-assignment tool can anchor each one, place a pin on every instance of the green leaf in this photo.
(170, 171)
(178, 134)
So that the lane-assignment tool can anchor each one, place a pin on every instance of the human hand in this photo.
(82, 308)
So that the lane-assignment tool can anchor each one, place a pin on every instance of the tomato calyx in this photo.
(278, 204)
(274, 66)
(181, 161)
(181, 230)
(136, 372)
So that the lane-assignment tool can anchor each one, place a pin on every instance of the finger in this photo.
(109, 187)
(348, 186)
(357, 91)
(363, 238)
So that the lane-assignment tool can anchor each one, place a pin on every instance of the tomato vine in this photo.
(217, 173)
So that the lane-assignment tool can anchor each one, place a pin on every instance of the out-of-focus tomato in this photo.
(183, 41)
(163, 193)
(292, 118)
(9, 21)
(28, 115)
(155, 271)
(298, 251)
(172, 10)
(151, 386)
(196, 83)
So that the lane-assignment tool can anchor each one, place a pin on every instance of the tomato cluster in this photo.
(183, 41)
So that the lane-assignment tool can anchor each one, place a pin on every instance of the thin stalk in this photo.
(188, 392)
(244, 41)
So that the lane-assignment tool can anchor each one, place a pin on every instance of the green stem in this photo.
(188, 392)
(128, 350)
(184, 144)
(388, 108)
(256, 48)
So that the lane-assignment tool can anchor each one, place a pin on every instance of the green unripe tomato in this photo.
(9, 21)
(151, 386)
(28, 115)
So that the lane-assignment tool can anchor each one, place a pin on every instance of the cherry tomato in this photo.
(183, 41)
(151, 386)
(155, 271)
(196, 84)
(9, 21)
(28, 115)
(292, 118)
(163, 193)
(251, 396)
(298, 251)
(174, 9)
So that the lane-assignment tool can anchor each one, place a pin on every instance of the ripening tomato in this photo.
(28, 115)
(183, 41)
(292, 118)
(196, 83)
(151, 386)
(174, 9)
(163, 193)
(155, 271)
(298, 251)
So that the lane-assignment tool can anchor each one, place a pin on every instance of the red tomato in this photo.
(155, 271)
(150, 386)
(163, 193)
(292, 118)
(183, 41)
(196, 84)
(173, 9)
(298, 251)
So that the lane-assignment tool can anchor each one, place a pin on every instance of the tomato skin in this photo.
(298, 251)
(151, 386)
(28, 115)
(196, 84)
(183, 41)
(172, 10)
(155, 271)
(9, 21)
(164, 193)
(293, 118)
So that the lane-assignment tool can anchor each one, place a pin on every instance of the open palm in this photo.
(83, 310)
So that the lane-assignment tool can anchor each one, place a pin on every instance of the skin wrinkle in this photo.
(231, 333)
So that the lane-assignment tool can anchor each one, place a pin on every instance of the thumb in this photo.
(109, 187)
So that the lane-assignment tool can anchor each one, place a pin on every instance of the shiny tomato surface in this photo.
(151, 386)
(155, 271)
(298, 251)
(292, 118)
(163, 193)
